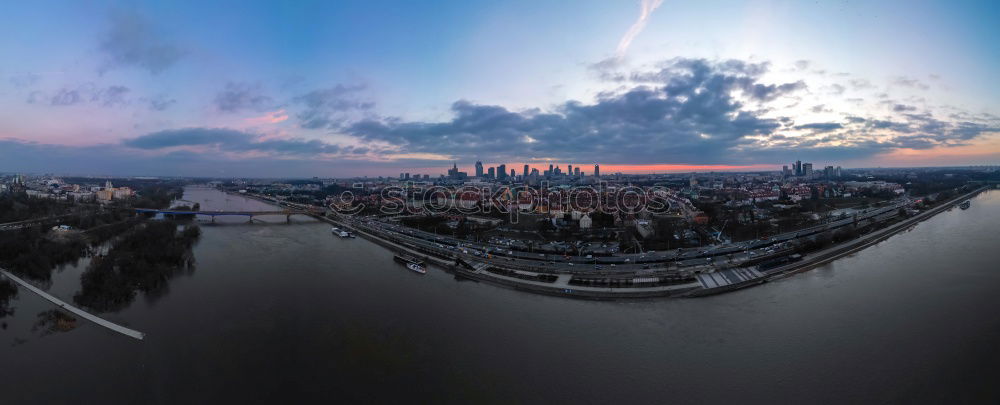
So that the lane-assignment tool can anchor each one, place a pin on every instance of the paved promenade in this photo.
(79, 312)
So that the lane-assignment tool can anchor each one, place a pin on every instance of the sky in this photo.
(354, 88)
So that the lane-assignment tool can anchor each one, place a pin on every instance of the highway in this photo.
(674, 261)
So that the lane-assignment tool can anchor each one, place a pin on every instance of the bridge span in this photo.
(250, 214)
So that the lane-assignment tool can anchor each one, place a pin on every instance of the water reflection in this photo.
(8, 291)
(54, 321)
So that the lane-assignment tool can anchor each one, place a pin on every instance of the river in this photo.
(277, 312)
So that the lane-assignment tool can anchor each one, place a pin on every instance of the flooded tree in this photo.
(143, 260)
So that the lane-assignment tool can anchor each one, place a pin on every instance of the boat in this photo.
(341, 233)
(416, 267)
(965, 205)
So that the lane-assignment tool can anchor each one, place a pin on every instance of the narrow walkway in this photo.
(83, 314)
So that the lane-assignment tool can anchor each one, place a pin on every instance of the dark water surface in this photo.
(288, 312)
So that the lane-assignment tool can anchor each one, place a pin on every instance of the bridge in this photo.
(250, 214)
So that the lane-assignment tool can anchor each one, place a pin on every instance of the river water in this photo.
(288, 312)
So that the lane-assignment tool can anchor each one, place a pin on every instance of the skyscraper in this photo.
(491, 174)
(479, 169)
(525, 170)
(597, 170)
(569, 170)
(502, 172)
(798, 167)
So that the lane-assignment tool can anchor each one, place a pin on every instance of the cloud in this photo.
(160, 102)
(110, 96)
(114, 159)
(646, 8)
(132, 42)
(861, 84)
(239, 96)
(903, 108)
(66, 97)
(692, 117)
(820, 108)
(909, 82)
(693, 111)
(820, 126)
(768, 92)
(229, 140)
(24, 80)
(328, 107)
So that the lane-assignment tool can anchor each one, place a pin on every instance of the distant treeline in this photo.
(16, 207)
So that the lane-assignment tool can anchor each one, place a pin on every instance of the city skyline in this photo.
(348, 90)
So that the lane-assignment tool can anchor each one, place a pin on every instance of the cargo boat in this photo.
(407, 259)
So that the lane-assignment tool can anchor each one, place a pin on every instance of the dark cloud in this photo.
(821, 126)
(326, 108)
(66, 97)
(687, 111)
(131, 41)
(228, 140)
(691, 116)
(238, 96)
(112, 159)
(903, 108)
(770, 92)
(738, 76)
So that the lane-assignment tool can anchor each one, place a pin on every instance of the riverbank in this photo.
(559, 284)
(820, 258)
